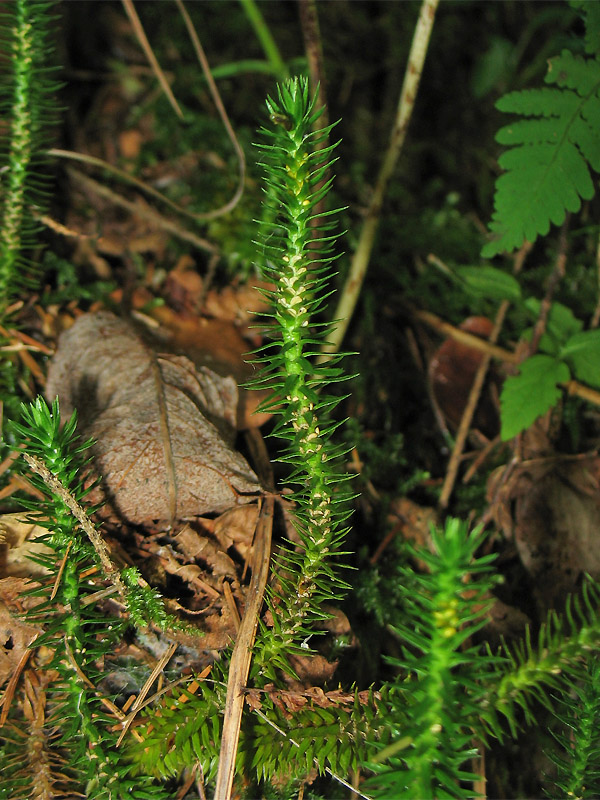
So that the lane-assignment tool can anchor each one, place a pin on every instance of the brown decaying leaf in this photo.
(557, 520)
(17, 537)
(15, 635)
(289, 702)
(452, 371)
(163, 431)
(550, 505)
(219, 345)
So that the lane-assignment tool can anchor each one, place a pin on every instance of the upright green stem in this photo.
(79, 634)
(26, 25)
(297, 253)
(20, 149)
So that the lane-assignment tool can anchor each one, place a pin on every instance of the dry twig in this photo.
(142, 211)
(201, 56)
(242, 653)
(149, 53)
(52, 482)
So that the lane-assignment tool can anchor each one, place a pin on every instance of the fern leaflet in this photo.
(551, 151)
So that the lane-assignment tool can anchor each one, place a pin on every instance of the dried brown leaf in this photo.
(163, 430)
(17, 535)
(557, 520)
(235, 528)
(15, 635)
(551, 507)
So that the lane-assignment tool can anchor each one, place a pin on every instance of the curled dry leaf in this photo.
(163, 430)
(557, 519)
(550, 505)
(17, 544)
(219, 345)
(452, 371)
(15, 635)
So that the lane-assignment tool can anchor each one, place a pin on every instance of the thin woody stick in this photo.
(212, 86)
(143, 211)
(572, 387)
(52, 482)
(162, 663)
(362, 254)
(149, 53)
(467, 417)
(466, 338)
(242, 653)
(14, 679)
(313, 46)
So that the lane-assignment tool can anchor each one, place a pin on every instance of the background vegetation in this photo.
(435, 682)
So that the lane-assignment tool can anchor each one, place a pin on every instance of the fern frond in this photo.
(552, 151)
(591, 14)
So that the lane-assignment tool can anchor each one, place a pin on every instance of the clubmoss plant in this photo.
(577, 757)
(436, 706)
(452, 695)
(416, 734)
(24, 101)
(296, 255)
(80, 731)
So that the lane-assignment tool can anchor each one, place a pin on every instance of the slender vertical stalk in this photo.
(297, 253)
(23, 97)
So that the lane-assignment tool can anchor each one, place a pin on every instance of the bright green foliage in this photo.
(58, 447)
(418, 733)
(450, 692)
(591, 13)
(74, 629)
(25, 101)
(565, 350)
(578, 760)
(552, 148)
(296, 251)
(582, 352)
(273, 746)
(435, 704)
(490, 283)
(314, 737)
(296, 254)
(185, 729)
(560, 325)
(531, 393)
